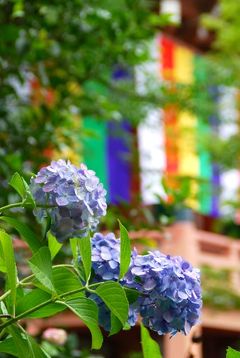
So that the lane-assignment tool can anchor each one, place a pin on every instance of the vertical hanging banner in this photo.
(203, 132)
(229, 179)
(119, 152)
(119, 165)
(95, 147)
(214, 122)
(151, 135)
(167, 48)
(188, 161)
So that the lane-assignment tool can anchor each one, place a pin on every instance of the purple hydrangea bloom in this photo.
(170, 299)
(106, 256)
(106, 264)
(74, 198)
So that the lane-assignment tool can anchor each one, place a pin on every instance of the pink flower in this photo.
(55, 335)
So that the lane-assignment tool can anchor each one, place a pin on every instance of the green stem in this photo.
(43, 304)
(21, 205)
(63, 295)
(26, 279)
(2, 333)
(22, 315)
(10, 206)
(23, 281)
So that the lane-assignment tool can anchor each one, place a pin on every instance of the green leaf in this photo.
(74, 245)
(22, 188)
(232, 353)
(11, 270)
(126, 327)
(37, 350)
(52, 350)
(26, 233)
(3, 308)
(17, 183)
(132, 295)
(116, 325)
(149, 346)
(22, 345)
(41, 266)
(53, 245)
(87, 311)
(84, 245)
(34, 298)
(65, 280)
(2, 262)
(21, 342)
(8, 346)
(125, 251)
(113, 295)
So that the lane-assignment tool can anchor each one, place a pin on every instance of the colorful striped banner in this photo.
(106, 150)
(151, 136)
(169, 142)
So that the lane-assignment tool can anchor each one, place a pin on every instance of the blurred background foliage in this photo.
(224, 61)
(57, 62)
(224, 23)
(218, 290)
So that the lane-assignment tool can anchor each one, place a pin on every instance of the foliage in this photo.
(225, 24)
(55, 72)
(229, 225)
(150, 347)
(217, 289)
(232, 353)
(70, 349)
(82, 286)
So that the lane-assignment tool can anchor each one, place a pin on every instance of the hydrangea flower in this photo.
(73, 197)
(170, 299)
(106, 265)
(170, 292)
(106, 256)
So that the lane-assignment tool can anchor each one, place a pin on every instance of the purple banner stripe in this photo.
(214, 122)
(119, 168)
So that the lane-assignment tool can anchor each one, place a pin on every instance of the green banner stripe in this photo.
(94, 148)
(205, 192)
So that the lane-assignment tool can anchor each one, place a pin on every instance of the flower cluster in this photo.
(169, 287)
(105, 256)
(106, 265)
(72, 197)
(170, 299)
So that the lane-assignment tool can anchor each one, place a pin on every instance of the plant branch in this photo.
(30, 277)
(10, 206)
(43, 304)
(21, 205)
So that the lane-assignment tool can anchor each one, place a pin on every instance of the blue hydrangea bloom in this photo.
(170, 292)
(74, 198)
(106, 256)
(106, 264)
(170, 299)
